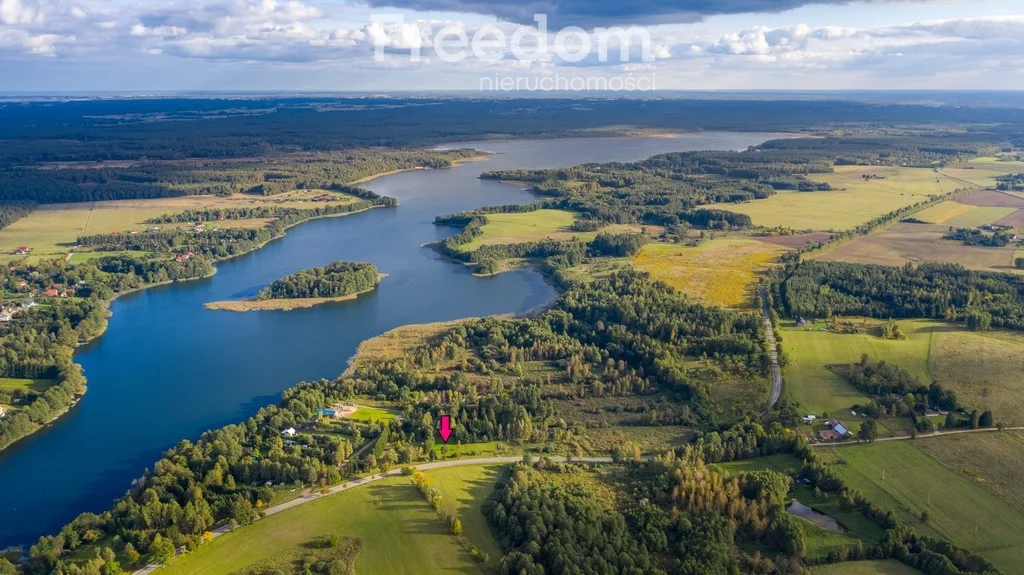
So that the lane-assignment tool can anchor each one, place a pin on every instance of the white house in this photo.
(290, 432)
(809, 420)
(2, 411)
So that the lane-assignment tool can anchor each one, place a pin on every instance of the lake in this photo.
(168, 369)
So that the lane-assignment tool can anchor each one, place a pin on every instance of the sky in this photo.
(507, 46)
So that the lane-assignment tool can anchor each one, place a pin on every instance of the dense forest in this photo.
(1010, 183)
(268, 175)
(939, 291)
(12, 212)
(336, 279)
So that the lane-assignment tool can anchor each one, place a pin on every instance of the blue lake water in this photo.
(168, 369)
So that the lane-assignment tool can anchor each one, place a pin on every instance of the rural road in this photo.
(372, 478)
(774, 353)
(920, 436)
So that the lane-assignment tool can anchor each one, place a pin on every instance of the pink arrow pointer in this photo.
(445, 431)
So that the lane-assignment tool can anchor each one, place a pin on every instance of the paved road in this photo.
(372, 478)
(920, 436)
(773, 354)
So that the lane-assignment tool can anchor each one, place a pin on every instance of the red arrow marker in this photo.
(445, 431)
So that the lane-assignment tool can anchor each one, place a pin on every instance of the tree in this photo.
(868, 431)
(1019, 263)
(986, 419)
(161, 550)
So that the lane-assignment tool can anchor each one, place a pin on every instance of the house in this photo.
(198, 228)
(2, 412)
(28, 304)
(22, 250)
(809, 420)
(22, 284)
(50, 293)
(290, 432)
(829, 435)
(838, 427)
(935, 412)
(333, 414)
(801, 322)
(6, 314)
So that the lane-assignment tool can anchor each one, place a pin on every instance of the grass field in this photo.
(372, 414)
(780, 462)
(898, 476)
(396, 343)
(941, 213)
(916, 243)
(810, 350)
(978, 216)
(401, 534)
(52, 230)
(718, 272)
(36, 385)
(876, 567)
(986, 370)
(982, 172)
(854, 200)
(537, 225)
(991, 460)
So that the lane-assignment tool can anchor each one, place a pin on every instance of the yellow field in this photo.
(719, 272)
(52, 230)
(984, 369)
(982, 172)
(978, 216)
(853, 202)
(943, 212)
(916, 243)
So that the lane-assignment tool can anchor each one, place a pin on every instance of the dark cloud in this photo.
(603, 12)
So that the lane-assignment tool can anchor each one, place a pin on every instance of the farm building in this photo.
(838, 427)
(332, 413)
(935, 412)
(22, 250)
(290, 432)
(810, 419)
(829, 435)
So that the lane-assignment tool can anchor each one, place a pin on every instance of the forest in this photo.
(269, 175)
(336, 279)
(976, 237)
(950, 292)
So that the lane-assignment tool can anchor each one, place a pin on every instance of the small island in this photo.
(338, 281)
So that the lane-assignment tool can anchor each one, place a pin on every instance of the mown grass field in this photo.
(36, 385)
(464, 489)
(372, 414)
(807, 380)
(978, 216)
(854, 200)
(401, 534)
(943, 212)
(537, 225)
(52, 230)
(717, 272)
(876, 567)
(898, 476)
(901, 243)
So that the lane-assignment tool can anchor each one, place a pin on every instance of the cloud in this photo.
(604, 12)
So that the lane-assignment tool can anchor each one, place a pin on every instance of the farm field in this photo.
(990, 460)
(401, 534)
(464, 489)
(979, 216)
(982, 172)
(807, 380)
(372, 414)
(898, 476)
(537, 225)
(718, 272)
(52, 230)
(876, 567)
(901, 243)
(984, 369)
(941, 213)
(854, 201)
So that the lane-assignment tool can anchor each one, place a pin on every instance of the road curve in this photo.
(773, 353)
(372, 478)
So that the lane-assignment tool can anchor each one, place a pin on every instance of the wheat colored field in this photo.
(982, 172)
(719, 272)
(854, 200)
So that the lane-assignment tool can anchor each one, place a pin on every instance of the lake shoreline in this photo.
(285, 304)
